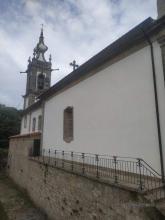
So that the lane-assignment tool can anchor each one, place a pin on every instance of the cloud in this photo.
(73, 29)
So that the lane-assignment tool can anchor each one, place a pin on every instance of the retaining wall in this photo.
(63, 195)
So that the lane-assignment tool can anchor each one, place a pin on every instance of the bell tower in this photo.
(38, 73)
(161, 8)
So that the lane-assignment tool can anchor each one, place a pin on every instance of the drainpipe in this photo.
(42, 127)
(156, 103)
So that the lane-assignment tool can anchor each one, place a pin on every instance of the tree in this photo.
(10, 120)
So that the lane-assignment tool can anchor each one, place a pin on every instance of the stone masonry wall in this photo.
(66, 196)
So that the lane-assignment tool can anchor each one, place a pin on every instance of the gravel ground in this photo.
(16, 202)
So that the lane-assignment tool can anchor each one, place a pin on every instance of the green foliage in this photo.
(3, 214)
(3, 153)
(10, 119)
(3, 158)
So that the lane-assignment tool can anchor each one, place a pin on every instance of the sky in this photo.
(73, 30)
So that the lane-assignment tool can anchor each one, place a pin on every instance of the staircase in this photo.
(156, 197)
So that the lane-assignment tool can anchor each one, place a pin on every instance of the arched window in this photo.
(39, 122)
(40, 82)
(68, 124)
(25, 121)
(34, 124)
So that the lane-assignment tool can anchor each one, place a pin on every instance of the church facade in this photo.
(113, 104)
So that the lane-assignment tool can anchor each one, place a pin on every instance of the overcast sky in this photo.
(73, 29)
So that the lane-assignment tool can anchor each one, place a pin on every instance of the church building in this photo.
(113, 104)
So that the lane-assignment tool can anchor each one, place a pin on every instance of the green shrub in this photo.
(10, 119)
(3, 215)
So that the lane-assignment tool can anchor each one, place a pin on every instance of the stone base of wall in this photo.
(64, 195)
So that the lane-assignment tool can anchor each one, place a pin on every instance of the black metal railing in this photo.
(134, 173)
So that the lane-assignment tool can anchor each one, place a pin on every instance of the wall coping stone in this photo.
(29, 135)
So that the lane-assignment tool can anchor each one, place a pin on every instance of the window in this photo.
(34, 124)
(39, 122)
(41, 79)
(25, 121)
(68, 124)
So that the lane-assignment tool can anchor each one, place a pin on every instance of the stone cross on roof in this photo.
(74, 65)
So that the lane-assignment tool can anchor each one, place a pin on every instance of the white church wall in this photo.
(29, 125)
(35, 114)
(114, 111)
(26, 102)
(25, 128)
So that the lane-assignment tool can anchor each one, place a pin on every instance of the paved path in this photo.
(17, 204)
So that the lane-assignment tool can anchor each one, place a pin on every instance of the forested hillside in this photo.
(10, 119)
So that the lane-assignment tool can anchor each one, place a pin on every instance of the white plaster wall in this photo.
(30, 117)
(26, 102)
(23, 129)
(35, 114)
(114, 111)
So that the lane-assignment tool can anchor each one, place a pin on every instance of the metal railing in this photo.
(133, 173)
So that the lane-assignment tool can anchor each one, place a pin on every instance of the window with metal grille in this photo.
(34, 124)
(39, 122)
(68, 124)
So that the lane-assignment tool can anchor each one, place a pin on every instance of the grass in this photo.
(20, 193)
(3, 215)
(12, 198)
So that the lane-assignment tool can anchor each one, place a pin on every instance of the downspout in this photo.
(42, 127)
(156, 103)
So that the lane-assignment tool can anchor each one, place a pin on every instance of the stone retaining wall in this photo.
(64, 195)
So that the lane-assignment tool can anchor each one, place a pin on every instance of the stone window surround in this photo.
(68, 124)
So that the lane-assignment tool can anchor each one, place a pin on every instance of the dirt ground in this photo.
(15, 203)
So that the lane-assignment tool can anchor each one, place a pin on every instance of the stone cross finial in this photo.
(50, 58)
(42, 26)
(161, 8)
(74, 65)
